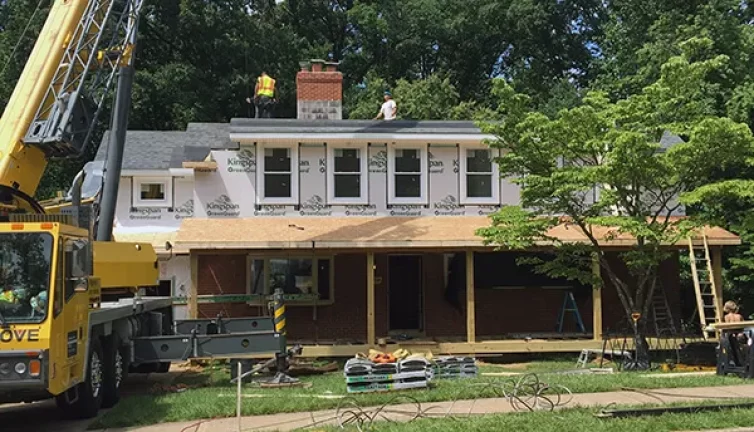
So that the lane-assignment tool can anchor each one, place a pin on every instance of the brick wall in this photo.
(222, 274)
(498, 312)
(319, 92)
(345, 320)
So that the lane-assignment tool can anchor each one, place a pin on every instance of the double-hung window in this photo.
(152, 192)
(278, 176)
(347, 174)
(408, 174)
(480, 178)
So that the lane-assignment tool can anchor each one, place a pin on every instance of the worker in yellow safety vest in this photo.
(264, 95)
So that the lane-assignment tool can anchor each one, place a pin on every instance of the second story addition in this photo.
(351, 168)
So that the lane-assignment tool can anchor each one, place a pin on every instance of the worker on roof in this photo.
(389, 108)
(264, 95)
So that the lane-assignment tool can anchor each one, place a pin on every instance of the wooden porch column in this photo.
(193, 304)
(597, 300)
(470, 305)
(717, 273)
(371, 337)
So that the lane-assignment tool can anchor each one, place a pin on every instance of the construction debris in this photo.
(637, 412)
(298, 369)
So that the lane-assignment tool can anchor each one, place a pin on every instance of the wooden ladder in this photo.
(707, 302)
(663, 319)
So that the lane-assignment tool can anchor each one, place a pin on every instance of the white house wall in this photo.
(129, 216)
(177, 270)
(230, 191)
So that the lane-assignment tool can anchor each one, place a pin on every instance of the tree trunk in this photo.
(641, 359)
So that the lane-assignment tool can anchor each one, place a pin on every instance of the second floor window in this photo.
(407, 175)
(480, 182)
(151, 192)
(279, 175)
(347, 182)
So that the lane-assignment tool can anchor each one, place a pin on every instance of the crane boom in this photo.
(62, 89)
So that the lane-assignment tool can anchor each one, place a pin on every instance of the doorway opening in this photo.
(405, 293)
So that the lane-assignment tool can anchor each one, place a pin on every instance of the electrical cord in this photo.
(525, 394)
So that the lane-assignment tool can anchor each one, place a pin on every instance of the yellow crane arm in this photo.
(22, 166)
(61, 90)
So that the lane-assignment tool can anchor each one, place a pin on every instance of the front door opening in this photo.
(405, 292)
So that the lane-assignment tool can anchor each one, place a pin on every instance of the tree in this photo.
(433, 98)
(600, 168)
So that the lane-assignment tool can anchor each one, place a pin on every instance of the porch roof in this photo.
(375, 232)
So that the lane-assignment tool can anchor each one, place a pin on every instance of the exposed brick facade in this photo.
(319, 93)
(498, 312)
(222, 274)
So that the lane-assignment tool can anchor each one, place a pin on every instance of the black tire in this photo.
(89, 399)
(163, 367)
(115, 370)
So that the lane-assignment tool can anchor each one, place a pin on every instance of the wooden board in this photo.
(733, 326)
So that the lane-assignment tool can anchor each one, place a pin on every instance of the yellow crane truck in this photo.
(59, 335)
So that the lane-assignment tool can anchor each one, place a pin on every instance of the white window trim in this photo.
(136, 191)
(266, 282)
(295, 174)
(364, 174)
(423, 197)
(465, 199)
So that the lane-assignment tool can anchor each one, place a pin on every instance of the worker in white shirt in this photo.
(389, 108)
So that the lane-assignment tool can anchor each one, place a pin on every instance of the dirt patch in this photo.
(515, 366)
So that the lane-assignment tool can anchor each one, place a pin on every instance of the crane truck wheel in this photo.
(115, 369)
(85, 400)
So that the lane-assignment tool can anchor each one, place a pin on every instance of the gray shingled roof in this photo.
(161, 150)
(271, 126)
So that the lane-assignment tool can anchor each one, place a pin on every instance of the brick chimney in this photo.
(319, 91)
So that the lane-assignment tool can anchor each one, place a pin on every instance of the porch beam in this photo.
(193, 300)
(371, 334)
(596, 299)
(470, 303)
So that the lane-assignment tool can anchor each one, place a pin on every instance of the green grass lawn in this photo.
(217, 398)
(577, 420)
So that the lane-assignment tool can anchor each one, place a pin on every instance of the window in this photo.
(303, 280)
(407, 175)
(347, 182)
(278, 182)
(480, 181)
(150, 192)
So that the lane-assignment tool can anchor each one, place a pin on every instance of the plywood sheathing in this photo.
(156, 239)
(376, 232)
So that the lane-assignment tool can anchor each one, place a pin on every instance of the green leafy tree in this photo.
(600, 168)
(433, 98)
